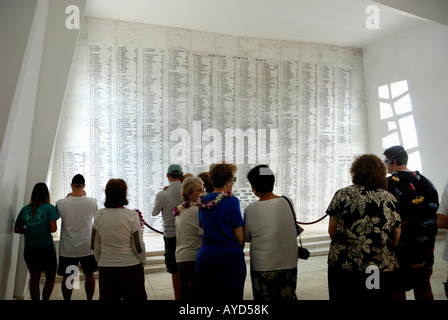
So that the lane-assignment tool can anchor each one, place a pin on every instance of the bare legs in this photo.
(89, 287)
(176, 286)
(50, 276)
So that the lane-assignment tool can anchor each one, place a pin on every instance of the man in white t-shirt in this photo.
(77, 213)
(442, 222)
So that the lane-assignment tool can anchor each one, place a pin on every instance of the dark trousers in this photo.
(187, 278)
(127, 283)
(351, 285)
(220, 276)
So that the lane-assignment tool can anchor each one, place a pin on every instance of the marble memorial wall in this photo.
(141, 97)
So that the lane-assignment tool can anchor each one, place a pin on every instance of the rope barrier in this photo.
(313, 221)
(153, 229)
(298, 222)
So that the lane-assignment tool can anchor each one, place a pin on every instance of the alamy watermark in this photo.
(212, 145)
(73, 21)
(373, 20)
(72, 281)
(373, 280)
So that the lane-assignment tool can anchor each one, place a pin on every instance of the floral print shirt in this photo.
(418, 202)
(366, 220)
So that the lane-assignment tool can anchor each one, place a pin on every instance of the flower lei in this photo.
(202, 205)
(142, 221)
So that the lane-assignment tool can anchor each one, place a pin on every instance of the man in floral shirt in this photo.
(417, 204)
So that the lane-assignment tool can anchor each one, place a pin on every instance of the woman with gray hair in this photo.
(188, 235)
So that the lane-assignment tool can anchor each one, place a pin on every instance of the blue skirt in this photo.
(220, 276)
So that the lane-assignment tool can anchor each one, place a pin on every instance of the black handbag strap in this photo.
(299, 230)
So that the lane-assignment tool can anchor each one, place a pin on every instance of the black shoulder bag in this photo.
(303, 252)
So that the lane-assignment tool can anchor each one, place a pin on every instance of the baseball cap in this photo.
(78, 179)
(174, 169)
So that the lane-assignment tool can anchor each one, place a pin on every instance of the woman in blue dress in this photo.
(220, 264)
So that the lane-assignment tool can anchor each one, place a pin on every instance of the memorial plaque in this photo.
(145, 96)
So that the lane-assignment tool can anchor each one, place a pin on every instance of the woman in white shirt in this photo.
(117, 243)
(188, 235)
(269, 226)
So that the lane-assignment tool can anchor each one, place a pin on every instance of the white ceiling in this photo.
(337, 22)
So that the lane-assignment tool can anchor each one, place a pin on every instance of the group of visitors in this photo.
(210, 235)
(384, 224)
(108, 240)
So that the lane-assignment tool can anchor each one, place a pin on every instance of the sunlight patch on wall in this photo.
(396, 110)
